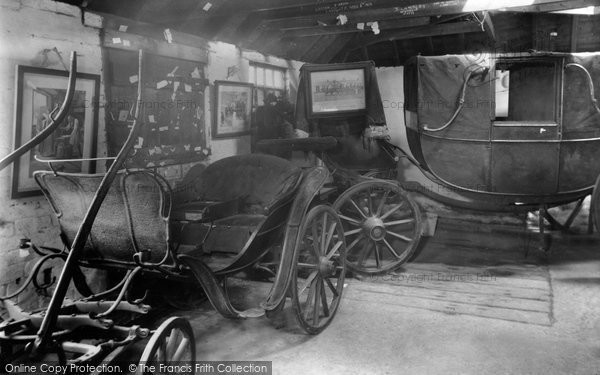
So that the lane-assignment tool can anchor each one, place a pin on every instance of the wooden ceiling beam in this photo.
(429, 31)
(352, 28)
(554, 6)
(407, 8)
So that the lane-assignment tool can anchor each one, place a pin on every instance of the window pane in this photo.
(252, 74)
(279, 81)
(260, 76)
(269, 80)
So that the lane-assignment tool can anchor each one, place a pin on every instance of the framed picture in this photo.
(39, 91)
(233, 109)
(336, 89)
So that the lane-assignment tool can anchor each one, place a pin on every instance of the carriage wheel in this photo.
(382, 225)
(173, 341)
(319, 272)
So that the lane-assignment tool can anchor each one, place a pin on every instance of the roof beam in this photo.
(553, 6)
(352, 27)
(429, 31)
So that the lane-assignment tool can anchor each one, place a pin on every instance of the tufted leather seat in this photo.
(260, 183)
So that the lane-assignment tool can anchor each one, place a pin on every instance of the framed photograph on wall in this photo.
(38, 92)
(233, 109)
(336, 89)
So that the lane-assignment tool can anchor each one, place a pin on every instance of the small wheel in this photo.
(173, 341)
(382, 226)
(319, 269)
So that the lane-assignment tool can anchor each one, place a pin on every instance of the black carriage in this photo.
(504, 133)
(254, 213)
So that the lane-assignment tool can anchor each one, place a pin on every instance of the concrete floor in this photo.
(384, 335)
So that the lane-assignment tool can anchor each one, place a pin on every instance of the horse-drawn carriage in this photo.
(504, 133)
(241, 213)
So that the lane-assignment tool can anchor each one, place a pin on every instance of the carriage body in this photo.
(513, 130)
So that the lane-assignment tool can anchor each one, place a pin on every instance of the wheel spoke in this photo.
(324, 234)
(353, 231)
(398, 222)
(183, 346)
(307, 265)
(382, 202)
(334, 249)
(349, 219)
(370, 199)
(377, 260)
(391, 249)
(329, 236)
(332, 287)
(316, 302)
(315, 241)
(311, 297)
(403, 238)
(172, 342)
(324, 300)
(394, 209)
(309, 281)
(357, 208)
(161, 351)
(354, 243)
(366, 254)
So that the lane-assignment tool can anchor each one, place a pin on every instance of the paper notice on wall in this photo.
(196, 73)
(163, 128)
(168, 36)
(187, 87)
(126, 43)
(123, 115)
(207, 7)
(161, 84)
(116, 40)
(133, 78)
(123, 28)
(151, 119)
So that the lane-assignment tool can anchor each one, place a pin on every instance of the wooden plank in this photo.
(489, 299)
(452, 308)
(137, 42)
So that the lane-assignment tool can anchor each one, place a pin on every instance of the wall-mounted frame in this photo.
(38, 92)
(232, 109)
(336, 89)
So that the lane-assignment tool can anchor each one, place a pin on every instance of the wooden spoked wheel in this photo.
(382, 226)
(319, 269)
(173, 342)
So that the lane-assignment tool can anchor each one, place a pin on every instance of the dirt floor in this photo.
(478, 299)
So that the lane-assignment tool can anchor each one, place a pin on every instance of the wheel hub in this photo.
(374, 228)
(326, 267)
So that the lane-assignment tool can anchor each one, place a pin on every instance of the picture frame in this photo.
(336, 89)
(232, 109)
(39, 91)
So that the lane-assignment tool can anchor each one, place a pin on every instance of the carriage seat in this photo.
(238, 193)
(133, 216)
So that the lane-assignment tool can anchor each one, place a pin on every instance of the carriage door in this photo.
(526, 126)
